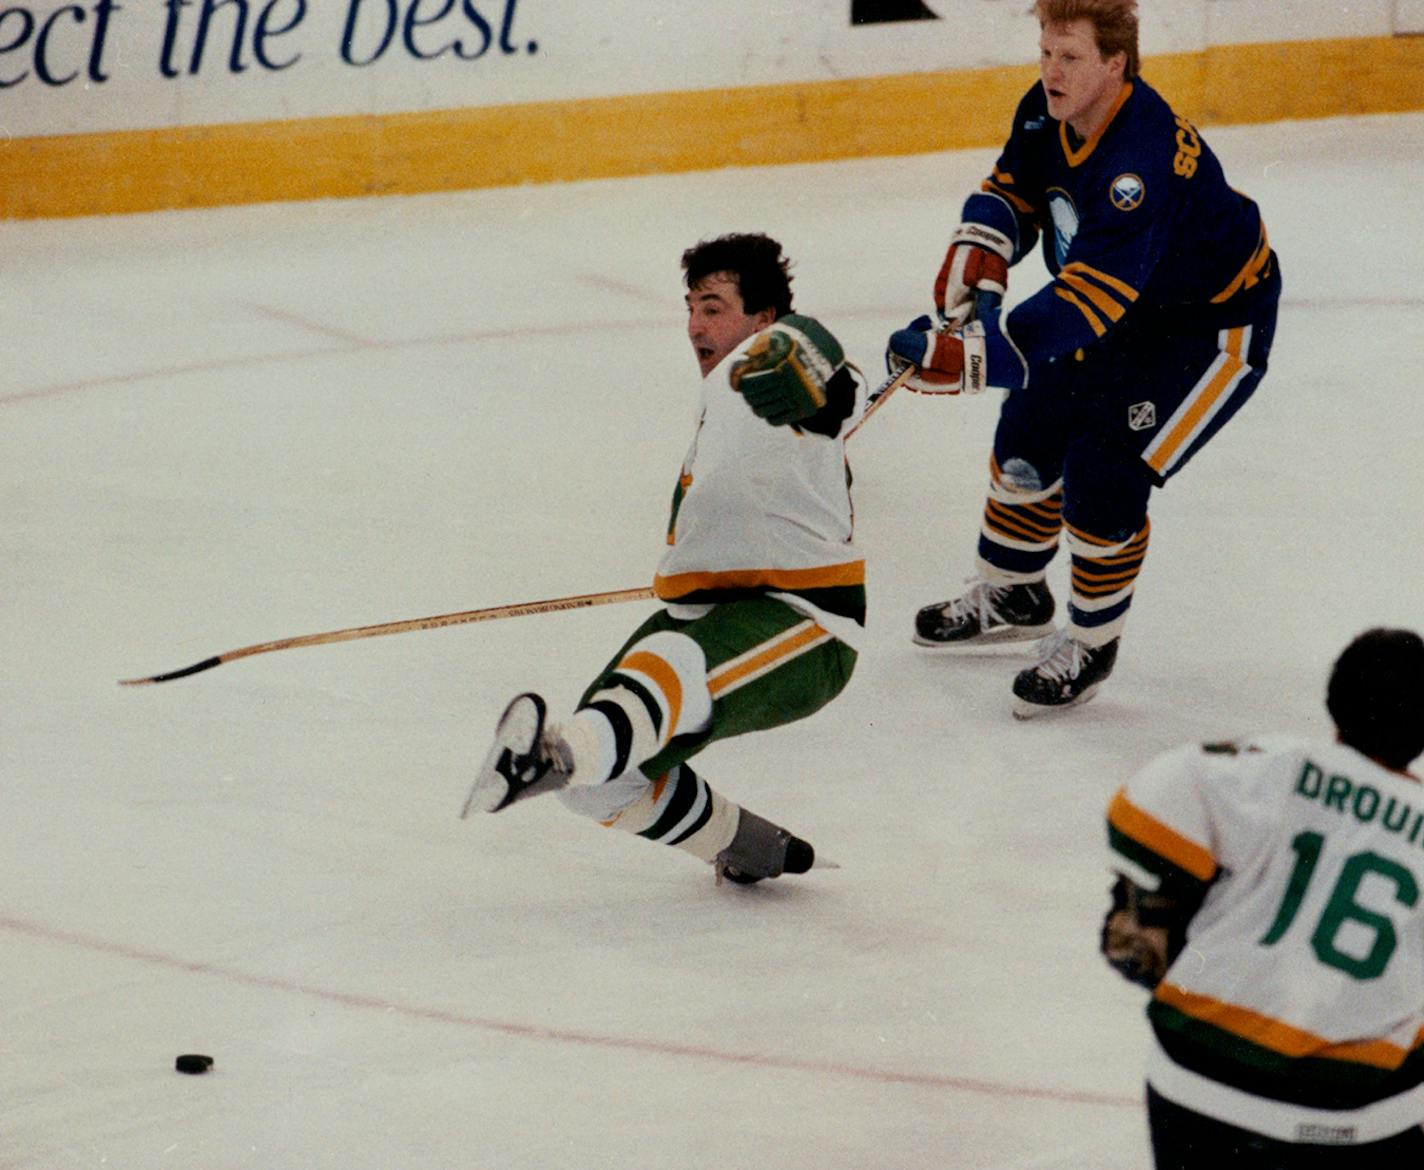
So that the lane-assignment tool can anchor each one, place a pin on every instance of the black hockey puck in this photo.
(191, 1062)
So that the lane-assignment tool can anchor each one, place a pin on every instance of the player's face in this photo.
(1081, 84)
(716, 320)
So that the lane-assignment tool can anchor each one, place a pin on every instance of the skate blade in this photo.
(1024, 711)
(818, 863)
(998, 636)
(516, 733)
(490, 789)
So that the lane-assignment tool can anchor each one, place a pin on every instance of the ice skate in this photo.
(986, 614)
(1069, 673)
(523, 761)
(760, 850)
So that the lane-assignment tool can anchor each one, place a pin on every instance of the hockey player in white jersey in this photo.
(763, 589)
(1269, 893)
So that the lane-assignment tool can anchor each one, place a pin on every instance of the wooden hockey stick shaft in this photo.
(874, 401)
(984, 303)
(581, 601)
(877, 397)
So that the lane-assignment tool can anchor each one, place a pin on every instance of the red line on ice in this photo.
(352, 344)
(564, 1035)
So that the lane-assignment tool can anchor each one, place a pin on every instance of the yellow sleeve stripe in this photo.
(1093, 319)
(1275, 1034)
(1101, 299)
(1161, 839)
(1078, 268)
(1252, 272)
(1022, 206)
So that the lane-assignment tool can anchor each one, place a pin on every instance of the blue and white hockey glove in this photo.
(784, 372)
(977, 262)
(955, 361)
(936, 353)
(990, 356)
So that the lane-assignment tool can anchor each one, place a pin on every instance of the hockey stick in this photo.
(877, 397)
(581, 601)
(874, 401)
(984, 303)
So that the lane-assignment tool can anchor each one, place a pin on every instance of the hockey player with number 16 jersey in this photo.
(1271, 893)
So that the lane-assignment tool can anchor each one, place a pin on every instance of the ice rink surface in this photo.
(224, 427)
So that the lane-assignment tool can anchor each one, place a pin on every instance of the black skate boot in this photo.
(1069, 673)
(759, 850)
(986, 614)
(523, 761)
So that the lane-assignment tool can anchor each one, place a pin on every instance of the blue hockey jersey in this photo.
(1136, 220)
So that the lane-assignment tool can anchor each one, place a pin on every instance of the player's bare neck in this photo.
(1092, 120)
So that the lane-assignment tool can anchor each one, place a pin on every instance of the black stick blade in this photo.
(206, 664)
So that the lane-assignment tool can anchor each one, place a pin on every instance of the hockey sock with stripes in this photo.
(1104, 577)
(657, 690)
(682, 810)
(1020, 529)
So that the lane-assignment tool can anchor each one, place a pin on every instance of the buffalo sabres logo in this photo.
(1065, 222)
(1126, 192)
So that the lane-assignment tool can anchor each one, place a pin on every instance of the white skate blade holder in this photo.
(988, 640)
(1024, 711)
(516, 739)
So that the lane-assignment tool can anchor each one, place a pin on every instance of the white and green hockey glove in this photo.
(784, 373)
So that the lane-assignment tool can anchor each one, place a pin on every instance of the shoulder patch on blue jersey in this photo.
(1065, 222)
(1127, 192)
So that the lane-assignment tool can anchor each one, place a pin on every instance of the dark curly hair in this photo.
(762, 273)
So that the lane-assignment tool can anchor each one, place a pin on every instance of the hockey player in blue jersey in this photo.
(1153, 331)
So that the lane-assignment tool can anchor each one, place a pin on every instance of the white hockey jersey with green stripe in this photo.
(1297, 1007)
(760, 508)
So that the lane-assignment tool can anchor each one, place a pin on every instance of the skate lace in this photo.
(978, 602)
(1062, 658)
(556, 752)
